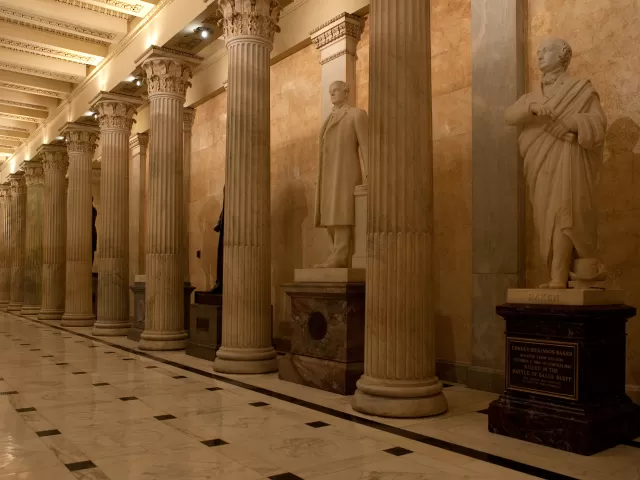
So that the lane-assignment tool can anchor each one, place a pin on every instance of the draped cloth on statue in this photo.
(561, 173)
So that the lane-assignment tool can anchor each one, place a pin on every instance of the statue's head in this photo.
(339, 92)
(554, 54)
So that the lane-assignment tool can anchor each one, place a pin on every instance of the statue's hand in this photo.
(540, 110)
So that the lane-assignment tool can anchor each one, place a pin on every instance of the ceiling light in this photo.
(88, 113)
(139, 82)
(131, 78)
(203, 32)
(59, 137)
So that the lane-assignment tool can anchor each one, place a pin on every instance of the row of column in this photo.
(399, 377)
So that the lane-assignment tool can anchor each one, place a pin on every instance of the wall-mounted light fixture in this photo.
(202, 32)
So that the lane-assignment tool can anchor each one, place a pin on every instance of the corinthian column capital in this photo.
(115, 111)
(167, 71)
(80, 138)
(188, 117)
(54, 157)
(18, 184)
(33, 173)
(5, 193)
(257, 18)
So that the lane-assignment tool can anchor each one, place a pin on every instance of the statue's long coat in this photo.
(342, 136)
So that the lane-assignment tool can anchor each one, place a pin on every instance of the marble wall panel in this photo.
(604, 35)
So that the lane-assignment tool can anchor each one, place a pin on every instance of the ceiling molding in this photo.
(12, 139)
(21, 118)
(14, 129)
(132, 7)
(54, 26)
(34, 90)
(23, 105)
(96, 8)
(39, 72)
(49, 52)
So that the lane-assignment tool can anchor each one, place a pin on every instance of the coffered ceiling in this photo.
(47, 47)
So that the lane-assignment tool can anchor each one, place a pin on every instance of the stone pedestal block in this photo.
(205, 326)
(137, 327)
(565, 377)
(327, 336)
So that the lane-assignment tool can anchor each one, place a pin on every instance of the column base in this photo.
(3, 306)
(399, 398)
(77, 320)
(162, 341)
(14, 307)
(246, 360)
(30, 310)
(111, 329)
(50, 314)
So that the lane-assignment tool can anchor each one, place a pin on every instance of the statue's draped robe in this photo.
(343, 135)
(561, 173)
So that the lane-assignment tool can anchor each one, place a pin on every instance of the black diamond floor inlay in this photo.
(285, 476)
(109, 352)
(164, 417)
(216, 442)
(100, 384)
(151, 366)
(47, 356)
(48, 433)
(79, 373)
(128, 358)
(34, 350)
(484, 412)
(25, 344)
(258, 404)
(179, 376)
(397, 451)
(26, 409)
(317, 424)
(214, 389)
(74, 467)
(62, 363)
(128, 399)
(12, 392)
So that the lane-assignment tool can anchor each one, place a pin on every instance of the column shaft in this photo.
(5, 246)
(18, 226)
(78, 301)
(189, 115)
(115, 117)
(399, 378)
(55, 163)
(167, 76)
(137, 186)
(34, 177)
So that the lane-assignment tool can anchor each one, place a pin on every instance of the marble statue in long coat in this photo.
(342, 166)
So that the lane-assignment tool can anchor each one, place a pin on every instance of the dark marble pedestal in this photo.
(205, 326)
(137, 327)
(327, 336)
(565, 377)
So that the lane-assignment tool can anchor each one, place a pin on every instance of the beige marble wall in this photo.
(295, 121)
(608, 56)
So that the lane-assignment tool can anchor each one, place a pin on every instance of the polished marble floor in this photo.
(73, 406)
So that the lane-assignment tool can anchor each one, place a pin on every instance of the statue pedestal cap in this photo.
(205, 326)
(565, 376)
(327, 331)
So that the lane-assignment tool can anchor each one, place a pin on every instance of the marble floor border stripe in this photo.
(424, 439)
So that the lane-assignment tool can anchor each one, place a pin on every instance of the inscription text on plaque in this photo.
(542, 366)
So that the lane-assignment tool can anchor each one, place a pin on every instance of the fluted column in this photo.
(34, 177)
(81, 141)
(5, 246)
(96, 172)
(137, 186)
(115, 115)
(189, 116)
(18, 226)
(399, 375)
(249, 28)
(168, 75)
(55, 162)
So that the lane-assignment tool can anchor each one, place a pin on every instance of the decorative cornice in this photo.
(14, 129)
(344, 15)
(96, 8)
(132, 7)
(139, 140)
(250, 17)
(7, 12)
(30, 106)
(49, 52)
(39, 72)
(12, 139)
(34, 90)
(343, 29)
(11, 147)
(21, 118)
(336, 55)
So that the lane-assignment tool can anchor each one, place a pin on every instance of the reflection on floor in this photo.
(72, 406)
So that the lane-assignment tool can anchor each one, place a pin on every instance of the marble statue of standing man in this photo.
(562, 146)
(344, 147)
